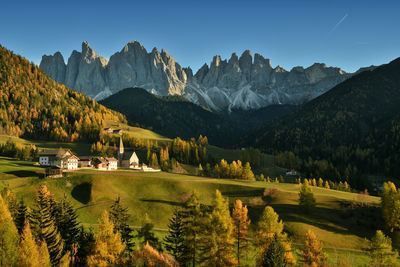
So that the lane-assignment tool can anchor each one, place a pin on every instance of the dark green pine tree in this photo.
(119, 216)
(67, 224)
(274, 255)
(175, 240)
(22, 216)
(44, 227)
(147, 236)
(86, 243)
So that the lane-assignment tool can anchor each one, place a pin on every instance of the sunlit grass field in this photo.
(342, 231)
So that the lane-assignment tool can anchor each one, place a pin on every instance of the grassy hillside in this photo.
(341, 227)
(137, 132)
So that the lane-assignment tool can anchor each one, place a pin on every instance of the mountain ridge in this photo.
(238, 83)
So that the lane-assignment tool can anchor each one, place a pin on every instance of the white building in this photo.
(62, 158)
(106, 164)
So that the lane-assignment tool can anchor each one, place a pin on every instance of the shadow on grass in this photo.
(172, 203)
(23, 173)
(82, 192)
(336, 221)
(244, 193)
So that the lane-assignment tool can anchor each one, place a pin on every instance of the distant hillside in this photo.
(171, 116)
(34, 106)
(175, 116)
(355, 126)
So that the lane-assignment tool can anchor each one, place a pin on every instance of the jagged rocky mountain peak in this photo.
(238, 82)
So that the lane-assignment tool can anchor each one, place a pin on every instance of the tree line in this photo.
(16, 150)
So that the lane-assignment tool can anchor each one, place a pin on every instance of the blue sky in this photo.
(347, 34)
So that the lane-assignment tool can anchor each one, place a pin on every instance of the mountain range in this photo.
(238, 83)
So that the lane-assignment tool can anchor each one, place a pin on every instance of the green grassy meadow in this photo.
(341, 228)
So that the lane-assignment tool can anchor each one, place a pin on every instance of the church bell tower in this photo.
(120, 151)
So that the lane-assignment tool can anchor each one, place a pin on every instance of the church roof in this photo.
(128, 154)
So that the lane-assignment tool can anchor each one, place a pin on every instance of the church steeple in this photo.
(121, 151)
(121, 146)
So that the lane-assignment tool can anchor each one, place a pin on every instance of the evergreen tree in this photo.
(86, 242)
(217, 239)
(43, 225)
(268, 225)
(108, 246)
(193, 217)
(306, 196)
(145, 233)
(274, 255)
(119, 216)
(312, 252)
(241, 223)
(175, 240)
(381, 252)
(67, 223)
(8, 237)
(22, 216)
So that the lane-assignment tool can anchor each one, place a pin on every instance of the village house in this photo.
(108, 164)
(62, 158)
(85, 161)
(127, 159)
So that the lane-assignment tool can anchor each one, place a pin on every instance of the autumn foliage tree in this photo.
(147, 256)
(390, 201)
(108, 247)
(241, 224)
(9, 237)
(312, 252)
(35, 106)
(217, 240)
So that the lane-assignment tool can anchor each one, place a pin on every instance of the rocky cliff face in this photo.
(238, 83)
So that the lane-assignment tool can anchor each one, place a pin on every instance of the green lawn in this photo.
(137, 132)
(343, 230)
